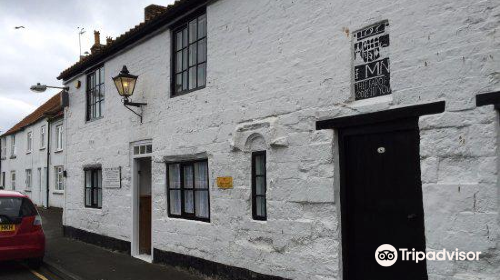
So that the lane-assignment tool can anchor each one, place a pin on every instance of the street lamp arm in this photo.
(65, 88)
(41, 88)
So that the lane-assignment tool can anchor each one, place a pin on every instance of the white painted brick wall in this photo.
(34, 160)
(291, 60)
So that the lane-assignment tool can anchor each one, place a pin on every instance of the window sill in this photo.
(58, 192)
(173, 95)
(93, 120)
(28, 152)
(93, 208)
(58, 151)
(204, 220)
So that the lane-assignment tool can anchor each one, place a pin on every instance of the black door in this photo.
(381, 199)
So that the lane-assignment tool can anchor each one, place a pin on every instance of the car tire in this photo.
(35, 263)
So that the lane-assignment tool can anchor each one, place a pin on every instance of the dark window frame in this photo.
(94, 172)
(184, 25)
(254, 186)
(184, 215)
(91, 102)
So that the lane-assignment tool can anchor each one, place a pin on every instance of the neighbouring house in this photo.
(32, 155)
(290, 139)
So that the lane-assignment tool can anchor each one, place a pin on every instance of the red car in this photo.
(21, 233)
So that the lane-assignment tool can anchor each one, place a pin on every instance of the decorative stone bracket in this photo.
(258, 134)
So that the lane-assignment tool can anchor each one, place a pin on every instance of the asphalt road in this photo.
(19, 271)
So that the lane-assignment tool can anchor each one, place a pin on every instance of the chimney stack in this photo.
(97, 38)
(97, 42)
(152, 11)
(109, 40)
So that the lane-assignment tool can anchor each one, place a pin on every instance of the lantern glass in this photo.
(125, 86)
(125, 83)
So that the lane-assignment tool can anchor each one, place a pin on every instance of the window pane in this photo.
(193, 54)
(184, 59)
(99, 179)
(201, 178)
(101, 71)
(101, 92)
(87, 197)
(260, 185)
(202, 26)
(143, 150)
(174, 176)
(202, 204)
(94, 197)
(88, 180)
(178, 40)
(202, 50)
(149, 149)
(201, 74)
(192, 77)
(178, 83)
(193, 31)
(184, 37)
(188, 202)
(260, 206)
(185, 80)
(175, 202)
(260, 165)
(178, 62)
(99, 198)
(188, 176)
(93, 109)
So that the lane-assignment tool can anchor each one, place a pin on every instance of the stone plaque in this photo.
(112, 177)
(371, 61)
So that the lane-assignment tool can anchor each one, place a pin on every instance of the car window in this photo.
(16, 207)
(10, 207)
(27, 208)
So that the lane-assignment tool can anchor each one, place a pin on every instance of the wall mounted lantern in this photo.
(125, 85)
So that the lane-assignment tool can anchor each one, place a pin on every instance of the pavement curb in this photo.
(59, 271)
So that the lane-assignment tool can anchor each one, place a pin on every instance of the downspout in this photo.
(47, 181)
(1, 177)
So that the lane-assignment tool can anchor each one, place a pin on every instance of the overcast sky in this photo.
(49, 44)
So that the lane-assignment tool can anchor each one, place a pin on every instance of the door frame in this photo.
(362, 120)
(135, 161)
(405, 124)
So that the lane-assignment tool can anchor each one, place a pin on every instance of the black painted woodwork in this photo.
(381, 198)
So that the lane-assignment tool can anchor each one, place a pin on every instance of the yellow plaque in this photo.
(225, 182)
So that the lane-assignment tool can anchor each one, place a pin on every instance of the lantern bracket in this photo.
(127, 103)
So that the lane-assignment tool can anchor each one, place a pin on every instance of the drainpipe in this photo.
(1, 177)
(47, 181)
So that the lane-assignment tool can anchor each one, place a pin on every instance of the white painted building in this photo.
(343, 126)
(28, 148)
